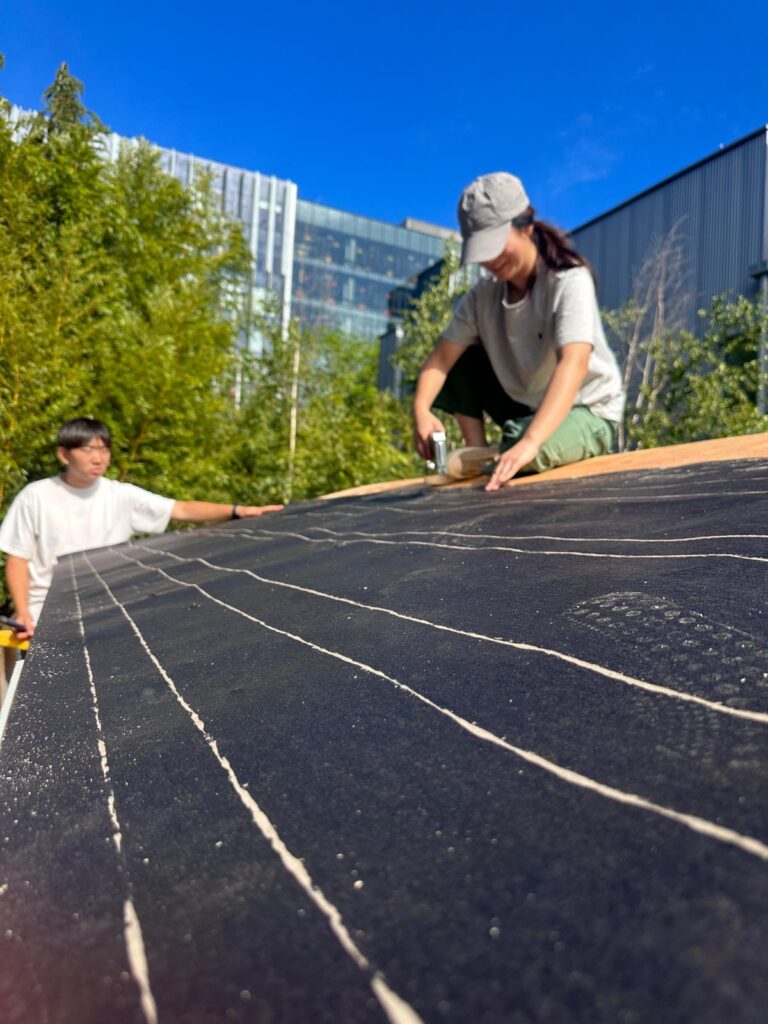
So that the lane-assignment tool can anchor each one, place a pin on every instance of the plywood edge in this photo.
(382, 488)
(721, 449)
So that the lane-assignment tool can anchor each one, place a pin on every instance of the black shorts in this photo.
(472, 388)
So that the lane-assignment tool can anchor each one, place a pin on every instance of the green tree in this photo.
(430, 314)
(704, 387)
(162, 375)
(346, 432)
(53, 287)
(424, 323)
(119, 298)
(123, 296)
(64, 105)
(120, 294)
(641, 329)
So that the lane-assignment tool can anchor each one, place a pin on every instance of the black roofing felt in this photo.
(437, 756)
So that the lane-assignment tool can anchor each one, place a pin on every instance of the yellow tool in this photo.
(8, 639)
(8, 636)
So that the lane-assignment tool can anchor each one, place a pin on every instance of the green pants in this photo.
(473, 389)
(581, 435)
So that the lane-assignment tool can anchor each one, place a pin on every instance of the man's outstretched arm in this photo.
(213, 511)
(17, 578)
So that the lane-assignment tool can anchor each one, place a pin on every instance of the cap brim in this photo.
(483, 246)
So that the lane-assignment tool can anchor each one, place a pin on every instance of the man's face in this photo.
(85, 464)
(515, 259)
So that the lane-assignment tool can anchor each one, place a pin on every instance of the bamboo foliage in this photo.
(116, 288)
(125, 296)
(311, 418)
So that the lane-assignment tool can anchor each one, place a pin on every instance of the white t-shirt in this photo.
(49, 518)
(521, 337)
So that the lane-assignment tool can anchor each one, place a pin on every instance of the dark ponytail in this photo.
(554, 246)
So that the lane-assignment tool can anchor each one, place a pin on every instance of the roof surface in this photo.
(423, 756)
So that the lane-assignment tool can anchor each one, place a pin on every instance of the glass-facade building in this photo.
(345, 267)
(265, 205)
(327, 267)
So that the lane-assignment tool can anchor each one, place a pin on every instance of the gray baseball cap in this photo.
(486, 210)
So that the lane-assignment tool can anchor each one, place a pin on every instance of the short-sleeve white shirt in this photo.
(49, 518)
(521, 338)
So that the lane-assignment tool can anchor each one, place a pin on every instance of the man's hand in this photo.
(511, 461)
(247, 511)
(29, 627)
(17, 577)
(215, 511)
(425, 423)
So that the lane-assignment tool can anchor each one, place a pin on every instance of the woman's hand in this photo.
(431, 379)
(425, 423)
(511, 461)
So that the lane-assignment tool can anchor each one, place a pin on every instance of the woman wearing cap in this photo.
(526, 346)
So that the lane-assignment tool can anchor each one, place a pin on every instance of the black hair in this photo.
(77, 433)
(553, 244)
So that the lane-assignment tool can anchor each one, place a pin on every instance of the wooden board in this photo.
(748, 446)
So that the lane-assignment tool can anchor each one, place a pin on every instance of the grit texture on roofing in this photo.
(416, 756)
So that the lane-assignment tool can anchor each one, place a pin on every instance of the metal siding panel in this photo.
(720, 209)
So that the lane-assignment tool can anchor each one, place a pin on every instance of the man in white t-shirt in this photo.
(81, 509)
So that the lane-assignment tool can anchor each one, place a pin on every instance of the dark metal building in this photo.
(710, 221)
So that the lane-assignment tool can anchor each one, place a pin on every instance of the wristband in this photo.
(235, 513)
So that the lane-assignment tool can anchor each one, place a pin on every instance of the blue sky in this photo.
(390, 110)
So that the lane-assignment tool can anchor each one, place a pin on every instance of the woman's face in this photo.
(518, 258)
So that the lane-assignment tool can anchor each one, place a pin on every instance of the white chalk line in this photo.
(653, 490)
(429, 502)
(526, 498)
(697, 824)
(397, 1011)
(134, 937)
(620, 496)
(371, 539)
(541, 536)
(608, 673)
(328, 510)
